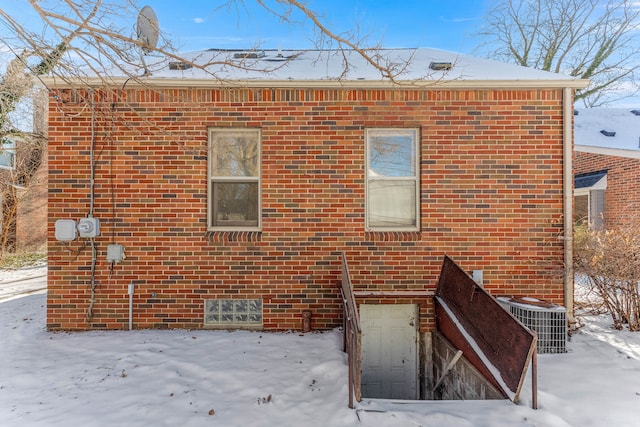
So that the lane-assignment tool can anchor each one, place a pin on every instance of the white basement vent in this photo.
(548, 321)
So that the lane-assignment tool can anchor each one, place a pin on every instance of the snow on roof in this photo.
(327, 67)
(588, 180)
(621, 128)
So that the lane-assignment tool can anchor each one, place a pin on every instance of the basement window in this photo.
(233, 313)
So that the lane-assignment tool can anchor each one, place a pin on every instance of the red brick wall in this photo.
(24, 208)
(31, 221)
(31, 218)
(491, 197)
(622, 197)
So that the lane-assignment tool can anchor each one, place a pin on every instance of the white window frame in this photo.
(583, 192)
(212, 179)
(10, 152)
(414, 134)
(593, 223)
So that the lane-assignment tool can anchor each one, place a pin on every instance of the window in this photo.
(589, 208)
(581, 209)
(8, 154)
(234, 179)
(392, 180)
(589, 199)
(233, 312)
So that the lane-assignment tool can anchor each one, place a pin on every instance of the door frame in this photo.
(415, 310)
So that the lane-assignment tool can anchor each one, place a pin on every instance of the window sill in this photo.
(227, 236)
(393, 236)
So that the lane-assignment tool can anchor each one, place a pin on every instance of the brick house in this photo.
(606, 165)
(227, 202)
(23, 196)
(7, 189)
(23, 177)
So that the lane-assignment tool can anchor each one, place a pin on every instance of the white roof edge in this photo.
(52, 82)
(618, 152)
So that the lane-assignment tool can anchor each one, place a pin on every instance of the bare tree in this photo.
(98, 38)
(590, 39)
(89, 44)
(22, 142)
(16, 184)
(609, 260)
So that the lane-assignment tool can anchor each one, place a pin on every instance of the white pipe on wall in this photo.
(131, 287)
(568, 201)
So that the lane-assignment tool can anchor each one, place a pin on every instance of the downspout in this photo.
(94, 250)
(568, 201)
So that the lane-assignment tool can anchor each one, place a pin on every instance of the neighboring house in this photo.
(23, 196)
(227, 203)
(7, 166)
(606, 165)
(8, 153)
(31, 218)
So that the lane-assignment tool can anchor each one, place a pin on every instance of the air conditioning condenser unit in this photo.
(547, 320)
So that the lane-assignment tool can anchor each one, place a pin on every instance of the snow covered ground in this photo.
(198, 378)
(16, 283)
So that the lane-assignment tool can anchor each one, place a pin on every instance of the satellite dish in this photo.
(147, 29)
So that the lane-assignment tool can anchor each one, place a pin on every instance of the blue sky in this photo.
(200, 24)
(449, 25)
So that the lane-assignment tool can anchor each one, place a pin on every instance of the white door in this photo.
(389, 351)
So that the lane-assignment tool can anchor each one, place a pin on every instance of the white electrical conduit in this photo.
(94, 255)
(131, 288)
(93, 278)
(568, 201)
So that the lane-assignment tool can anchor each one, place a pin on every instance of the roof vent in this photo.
(607, 132)
(576, 112)
(440, 66)
(636, 112)
(179, 65)
(248, 55)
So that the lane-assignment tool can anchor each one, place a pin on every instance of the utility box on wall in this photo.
(66, 230)
(89, 227)
(115, 253)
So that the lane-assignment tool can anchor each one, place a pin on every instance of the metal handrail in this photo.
(352, 333)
